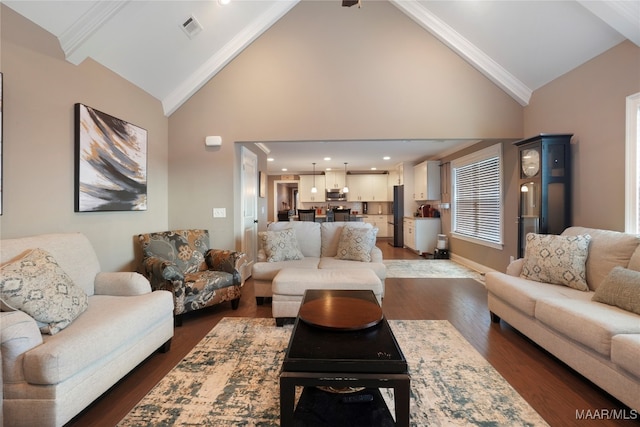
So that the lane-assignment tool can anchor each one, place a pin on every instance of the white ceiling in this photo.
(519, 44)
(361, 156)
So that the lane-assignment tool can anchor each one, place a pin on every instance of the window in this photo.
(477, 197)
(632, 155)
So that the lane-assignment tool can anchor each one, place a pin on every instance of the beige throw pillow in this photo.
(556, 259)
(280, 245)
(356, 243)
(621, 287)
(36, 285)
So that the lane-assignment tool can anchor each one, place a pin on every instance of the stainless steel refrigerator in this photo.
(398, 215)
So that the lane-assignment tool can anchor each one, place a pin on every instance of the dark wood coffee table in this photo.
(343, 357)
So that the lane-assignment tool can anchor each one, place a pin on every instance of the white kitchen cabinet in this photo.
(426, 180)
(408, 233)
(367, 188)
(305, 185)
(381, 222)
(335, 179)
(421, 234)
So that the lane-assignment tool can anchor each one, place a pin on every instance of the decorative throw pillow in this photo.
(621, 288)
(36, 285)
(356, 243)
(280, 245)
(556, 259)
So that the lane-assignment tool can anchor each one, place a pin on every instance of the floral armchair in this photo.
(180, 261)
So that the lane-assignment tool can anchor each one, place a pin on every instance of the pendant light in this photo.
(345, 189)
(314, 189)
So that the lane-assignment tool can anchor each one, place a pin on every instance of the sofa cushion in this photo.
(523, 294)
(38, 286)
(606, 250)
(330, 263)
(621, 288)
(294, 281)
(73, 253)
(331, 232)
(109, 323)
(634, 262)
(356, 243)
(268, 270)
(307, 235)
(557, 259)
(625, 349)
(587, 322)
(280, 245)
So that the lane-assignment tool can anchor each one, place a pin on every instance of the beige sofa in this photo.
(48, 379)
(598, 340)
(318, 243)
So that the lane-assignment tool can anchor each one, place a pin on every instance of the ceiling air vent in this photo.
(191, 27)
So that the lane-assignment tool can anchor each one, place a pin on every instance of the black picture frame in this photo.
(110, 163)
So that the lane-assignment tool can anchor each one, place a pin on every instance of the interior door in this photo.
(249, 208)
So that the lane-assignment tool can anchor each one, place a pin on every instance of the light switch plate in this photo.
(219, 212)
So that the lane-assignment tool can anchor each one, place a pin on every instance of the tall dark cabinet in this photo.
(544, 185)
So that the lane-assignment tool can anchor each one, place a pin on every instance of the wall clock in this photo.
(530, 162)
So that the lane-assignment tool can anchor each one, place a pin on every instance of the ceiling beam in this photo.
(74, 38)
(622, 16)
(467, 50)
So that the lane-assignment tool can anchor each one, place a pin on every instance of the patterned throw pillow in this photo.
(36, 285)
(280, 245)
(356, 243)
(559, 260)
(621, 288)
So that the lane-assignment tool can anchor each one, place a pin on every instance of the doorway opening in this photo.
(286, 199)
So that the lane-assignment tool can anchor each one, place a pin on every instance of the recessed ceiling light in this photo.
(328, 169)
(224, 2)
(374, 169)
(386, 158)
(284, 169)
(270, 159)
(327, 158)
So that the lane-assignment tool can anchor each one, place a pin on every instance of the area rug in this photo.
(230, 378)
(429, 268)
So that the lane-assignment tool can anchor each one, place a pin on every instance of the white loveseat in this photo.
(599, 340)
(318, 243)
(48, 379)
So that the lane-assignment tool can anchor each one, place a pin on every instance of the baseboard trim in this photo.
(483, 269)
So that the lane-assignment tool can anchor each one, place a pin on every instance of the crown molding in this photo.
(222, 57)
(463, 47)
(623, 16)
(74, 38)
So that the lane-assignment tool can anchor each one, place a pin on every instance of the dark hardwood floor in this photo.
(554, 390)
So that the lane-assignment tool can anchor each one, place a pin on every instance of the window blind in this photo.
(478, 197)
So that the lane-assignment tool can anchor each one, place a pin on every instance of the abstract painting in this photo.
(111, 163)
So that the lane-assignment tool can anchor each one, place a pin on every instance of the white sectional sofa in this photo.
(47, 379)
(599, 340)
(318, 243)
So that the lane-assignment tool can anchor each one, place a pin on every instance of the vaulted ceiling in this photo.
(171, 49)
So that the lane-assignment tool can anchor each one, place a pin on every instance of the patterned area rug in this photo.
(231, 378)
(429, 268)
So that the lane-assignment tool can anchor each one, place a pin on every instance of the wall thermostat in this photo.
(213, 141)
